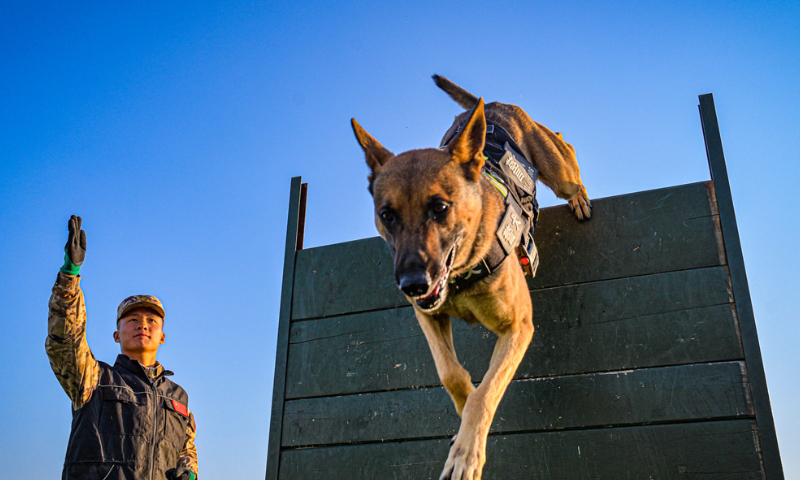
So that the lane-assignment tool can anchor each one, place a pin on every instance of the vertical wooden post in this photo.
(741, 291)
(294, 242)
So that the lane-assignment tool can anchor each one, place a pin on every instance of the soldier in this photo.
(129, 421)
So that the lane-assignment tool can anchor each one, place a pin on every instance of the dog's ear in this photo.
(377, 155)
(467, 146)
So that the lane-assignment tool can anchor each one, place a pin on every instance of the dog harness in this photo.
(515, 178)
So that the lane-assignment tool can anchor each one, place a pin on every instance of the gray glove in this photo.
(180, 473)
(75, 248)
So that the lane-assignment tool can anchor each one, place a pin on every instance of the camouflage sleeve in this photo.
(189, 453)
(70, 358)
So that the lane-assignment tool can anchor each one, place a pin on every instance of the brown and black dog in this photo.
(439, 215)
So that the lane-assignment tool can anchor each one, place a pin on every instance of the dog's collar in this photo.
(485, 267)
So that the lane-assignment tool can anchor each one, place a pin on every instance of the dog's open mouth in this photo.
(437, 294)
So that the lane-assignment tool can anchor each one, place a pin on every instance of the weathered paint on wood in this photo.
(637, 234)
(382, 350)
(665, 319)
(343, 278)
(718, 450)
(653, 395)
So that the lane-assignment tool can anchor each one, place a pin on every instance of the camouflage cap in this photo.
(135, 301)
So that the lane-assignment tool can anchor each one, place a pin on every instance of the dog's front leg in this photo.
(454, 377)
(468, 452)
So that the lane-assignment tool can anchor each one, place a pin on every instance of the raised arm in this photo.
(70, 358)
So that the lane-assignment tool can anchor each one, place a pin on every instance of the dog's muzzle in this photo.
(429, 294)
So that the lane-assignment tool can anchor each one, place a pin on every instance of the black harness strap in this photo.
(515, 178)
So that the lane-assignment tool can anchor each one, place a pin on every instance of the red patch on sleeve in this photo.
(180, 408)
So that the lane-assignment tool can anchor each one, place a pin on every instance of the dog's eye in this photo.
(440, 208)
(387, 216)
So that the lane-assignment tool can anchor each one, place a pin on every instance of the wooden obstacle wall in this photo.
(644, 363)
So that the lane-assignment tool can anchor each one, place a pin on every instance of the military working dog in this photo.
(439, 211)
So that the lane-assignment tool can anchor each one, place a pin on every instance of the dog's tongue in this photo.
(432, 295)
(429, 300)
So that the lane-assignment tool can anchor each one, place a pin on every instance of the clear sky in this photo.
(174, 128)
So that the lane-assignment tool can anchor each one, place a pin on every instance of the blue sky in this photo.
(174, 128)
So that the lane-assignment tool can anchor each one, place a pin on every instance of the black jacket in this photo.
(131, 428)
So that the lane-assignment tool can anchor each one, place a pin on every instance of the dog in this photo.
(438, 211)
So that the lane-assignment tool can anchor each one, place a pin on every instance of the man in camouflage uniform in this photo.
(128, 420)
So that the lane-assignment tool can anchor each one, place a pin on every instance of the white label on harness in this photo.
(510, 231)
(518, 171)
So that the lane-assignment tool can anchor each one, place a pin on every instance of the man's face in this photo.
(140, 331)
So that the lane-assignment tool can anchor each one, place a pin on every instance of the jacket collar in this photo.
(134, 366)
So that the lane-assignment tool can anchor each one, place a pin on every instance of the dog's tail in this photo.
(461, 96)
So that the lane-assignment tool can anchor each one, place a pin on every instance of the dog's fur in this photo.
(439, 216)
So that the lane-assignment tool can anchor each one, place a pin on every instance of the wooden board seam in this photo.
(533, 431)
(529, 379)
(621, 319)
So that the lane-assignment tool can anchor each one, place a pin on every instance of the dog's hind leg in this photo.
(454, 377)
(553, 157)
(559, 171)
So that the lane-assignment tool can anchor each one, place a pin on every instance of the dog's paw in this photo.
(581, 205)
(465, 461)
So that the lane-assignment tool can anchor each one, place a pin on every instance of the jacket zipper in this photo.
(155, 423)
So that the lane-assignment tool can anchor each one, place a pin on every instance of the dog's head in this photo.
(428, 205)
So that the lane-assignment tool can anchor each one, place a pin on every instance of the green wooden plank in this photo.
(637, 234)
(615, 324)
(712, 450)
(294, 225)
(380, 350)
(704, 334)
(647, 232)
(653, 395)
(345, 277)
(744, 307)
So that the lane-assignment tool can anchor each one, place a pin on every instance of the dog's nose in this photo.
(414, 284)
